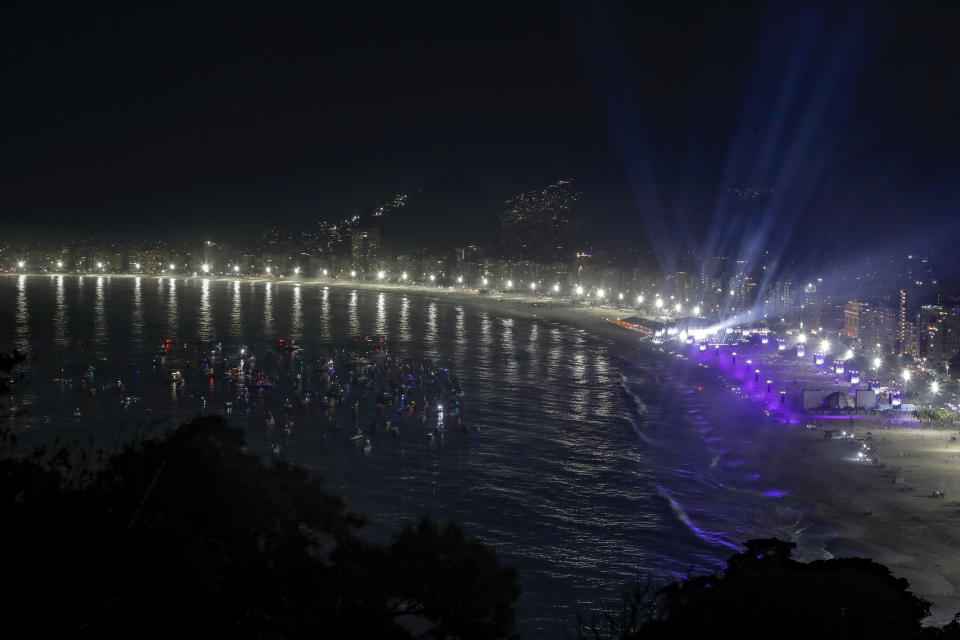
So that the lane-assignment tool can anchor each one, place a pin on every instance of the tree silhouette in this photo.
(764, 593)
(190, 534)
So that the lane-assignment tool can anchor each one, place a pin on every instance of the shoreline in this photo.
(883, 511)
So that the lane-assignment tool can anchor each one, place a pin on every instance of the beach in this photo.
(884, 511)
(824, 498)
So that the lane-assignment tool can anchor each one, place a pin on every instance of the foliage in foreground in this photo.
(764, 593)
(190, 535)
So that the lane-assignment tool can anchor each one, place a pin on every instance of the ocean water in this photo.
(590, 467)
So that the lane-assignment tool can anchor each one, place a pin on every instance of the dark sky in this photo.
(193, 118)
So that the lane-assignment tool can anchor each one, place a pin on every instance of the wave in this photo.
(712, 538)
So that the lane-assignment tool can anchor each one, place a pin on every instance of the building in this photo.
(879, 329)
(938, 334)
(851, 318)
(364, 245)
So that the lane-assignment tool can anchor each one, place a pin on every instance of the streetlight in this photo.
(509, 284)
(269, 269)
(236, 268)
(403, 276)
(324, 273)
(206, 268)
(620, 296)
(696, 310)
(136, 265)
(533, 286)
(906, 375)
(353, 274)
(676, 307)
(659, 303)
(460, 279)
(60, 264)
(599, 293)
(579, 290)
(20, 264)
(639, 299)
(484, 281)
(432, 277)
(296, 270)
(556, 288)
(380, 275)
(934, 386)
(876, 363)
(172, 267)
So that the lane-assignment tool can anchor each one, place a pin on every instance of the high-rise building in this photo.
(938, 333)
(903, 331)
(879, 328)
(364, 245)
(852, 312)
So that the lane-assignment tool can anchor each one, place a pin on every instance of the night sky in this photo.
(167, 120)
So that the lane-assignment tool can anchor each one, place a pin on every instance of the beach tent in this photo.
(839, 400)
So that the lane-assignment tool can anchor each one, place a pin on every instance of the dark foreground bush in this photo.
(190, 536)
(764, 593)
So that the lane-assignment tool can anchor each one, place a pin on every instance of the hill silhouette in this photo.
(452, 211)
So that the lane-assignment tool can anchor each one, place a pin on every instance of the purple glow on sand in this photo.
(776, 493)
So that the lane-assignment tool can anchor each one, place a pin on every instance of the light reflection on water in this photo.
(558, 479)
(236, 314)
(61, 326)
(268, 311)
(22, 340)
(296, 317)
(136, 312)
